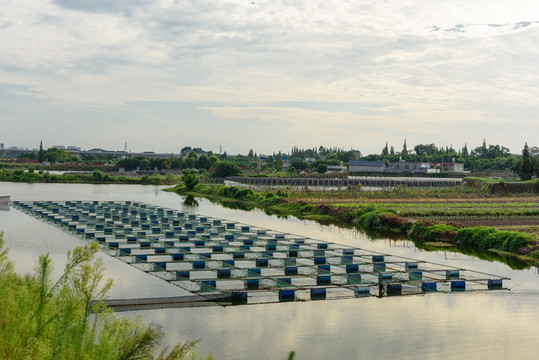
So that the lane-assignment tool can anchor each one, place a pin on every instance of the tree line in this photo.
(487, 157)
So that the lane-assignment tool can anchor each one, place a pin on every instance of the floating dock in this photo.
(233, 263)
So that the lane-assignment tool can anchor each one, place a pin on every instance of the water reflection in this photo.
(495, 325)
(190, 202)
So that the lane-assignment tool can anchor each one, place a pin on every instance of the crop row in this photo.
(452, 209)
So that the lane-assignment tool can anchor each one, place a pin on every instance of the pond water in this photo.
(495, 325)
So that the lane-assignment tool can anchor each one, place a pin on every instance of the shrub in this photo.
(46, 318)
(371, 221)
(514, 240)
(30, 177)
(473, 236)
(438, 232)
(190, 179)
(491, 238)
(243, 194)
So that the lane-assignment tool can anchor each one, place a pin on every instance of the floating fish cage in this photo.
(237, 263)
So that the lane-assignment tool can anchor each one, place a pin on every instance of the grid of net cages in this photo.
(230, 262)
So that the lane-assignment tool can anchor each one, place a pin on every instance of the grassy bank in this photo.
(383, 219)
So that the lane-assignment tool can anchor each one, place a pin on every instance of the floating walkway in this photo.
(228, 262)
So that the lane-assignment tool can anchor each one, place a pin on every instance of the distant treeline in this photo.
(485, 157)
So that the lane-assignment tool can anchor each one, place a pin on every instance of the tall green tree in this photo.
(526, 165)
(41, 153)
(385, 150)
(279, 163)
(404, 151)
(465, 151)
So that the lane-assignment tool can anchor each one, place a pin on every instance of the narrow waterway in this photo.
(493, 325)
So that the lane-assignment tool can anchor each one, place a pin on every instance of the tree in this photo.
(41, 153)
(404, 151)
(331, 157)
(203, 162)
(429, 149)
(465, 151)
(299, 164)
(279, 163)
(322, 168)
(59, 156)
(251, 154)
(526, 165)
(227, 168)
(213, 160)
(385, 150)
(145, 164)
(190, 179)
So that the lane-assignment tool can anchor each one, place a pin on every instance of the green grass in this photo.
(424, 209)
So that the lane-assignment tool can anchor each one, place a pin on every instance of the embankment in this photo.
(377, 222)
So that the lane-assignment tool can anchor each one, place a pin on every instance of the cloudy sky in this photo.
(268, 75)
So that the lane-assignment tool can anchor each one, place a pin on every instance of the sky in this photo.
(235, 75)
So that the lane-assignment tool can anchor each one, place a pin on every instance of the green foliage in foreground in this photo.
(44, 318)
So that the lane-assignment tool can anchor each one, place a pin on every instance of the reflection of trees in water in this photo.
(190, 201)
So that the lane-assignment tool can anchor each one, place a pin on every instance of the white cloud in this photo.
(421, 61)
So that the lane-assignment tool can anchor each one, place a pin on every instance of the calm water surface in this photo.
(493, 325)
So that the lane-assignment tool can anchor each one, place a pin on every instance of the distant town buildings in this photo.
(15, 151)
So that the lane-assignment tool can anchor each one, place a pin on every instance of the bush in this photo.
(473, 236)
(491, 238)
(514, 240)
(30, 177)
(154, 179)
(371, 221)
(244, 194)
(322, 168)
(190, 179)
(438, 232)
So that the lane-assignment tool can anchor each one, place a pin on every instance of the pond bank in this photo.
(378, 222)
